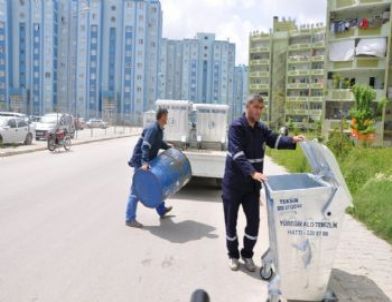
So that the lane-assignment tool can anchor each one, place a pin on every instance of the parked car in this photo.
(96, 123)
(23, 116)
(15, 130)
(51, 121)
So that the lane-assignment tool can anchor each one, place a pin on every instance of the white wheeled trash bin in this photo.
(305, 219)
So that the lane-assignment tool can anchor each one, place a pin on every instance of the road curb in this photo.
(13, 153)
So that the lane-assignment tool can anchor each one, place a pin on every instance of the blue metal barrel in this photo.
(168, 173)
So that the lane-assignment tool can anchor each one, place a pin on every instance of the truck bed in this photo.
(207, 163)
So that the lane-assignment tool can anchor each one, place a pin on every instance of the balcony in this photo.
(340, 95)
(383, 30)
(317, 72)
(299, 72)
(298, 60)
(316, 99)
(259, 62)
(300, 46)
(316, 86)
(259, 87)
(259, 50)
(293, 111)
(319, 44)
(347, 95)
(260, 37)
(320, 58)
(297, 99)
(359, 63)
(259, 74)
(347, 4)
(298, 86)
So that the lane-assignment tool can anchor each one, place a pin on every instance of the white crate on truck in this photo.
(149, 117)
(178, 127)
(211, 122)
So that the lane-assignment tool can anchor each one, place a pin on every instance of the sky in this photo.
(234, 19)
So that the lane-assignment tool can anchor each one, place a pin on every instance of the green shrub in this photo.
(373, 206)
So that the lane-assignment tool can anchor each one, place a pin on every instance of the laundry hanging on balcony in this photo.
(372, 47)
(366, 22)
(341, 51)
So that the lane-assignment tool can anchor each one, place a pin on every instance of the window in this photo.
(113, 19)
(22, 124)
(113, 7)
(12, 123)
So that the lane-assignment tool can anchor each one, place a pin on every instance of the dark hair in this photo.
(161, 112)
(254, 98)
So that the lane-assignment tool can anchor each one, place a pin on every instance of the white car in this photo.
(23, 116)
(96, 123)
(15, 130)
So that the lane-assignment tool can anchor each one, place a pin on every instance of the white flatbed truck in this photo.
(200, 130)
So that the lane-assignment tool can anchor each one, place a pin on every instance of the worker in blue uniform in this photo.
(243, 177)
(146, 149)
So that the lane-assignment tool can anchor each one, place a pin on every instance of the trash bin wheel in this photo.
(266, 275)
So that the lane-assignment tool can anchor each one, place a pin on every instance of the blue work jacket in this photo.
(246, 147)
(148, 145)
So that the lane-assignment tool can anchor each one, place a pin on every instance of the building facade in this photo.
(34, 39)
(199, 69)
(91, 58)
(4, 55)
(286, 66)
(240, 91)
(358, 52)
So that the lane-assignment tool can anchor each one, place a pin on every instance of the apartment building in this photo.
(199, 69)
(34, 52)
(286, 66)
(359, 52)
(4, 55)
(240, 91)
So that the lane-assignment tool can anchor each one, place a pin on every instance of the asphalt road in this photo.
(62, 234)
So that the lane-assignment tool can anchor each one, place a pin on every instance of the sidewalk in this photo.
(81, 137)
(363, 263)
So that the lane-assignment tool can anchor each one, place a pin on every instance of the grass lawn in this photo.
(368, 173)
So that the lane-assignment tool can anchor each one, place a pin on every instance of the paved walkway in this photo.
(363, 264)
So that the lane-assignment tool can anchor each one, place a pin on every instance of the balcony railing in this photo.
(297, 99)
(300, 46)
(383, 30)
(319, 58)
(316, 86)
(259, 74)
(299, 72)
(317, 72)
(316, 99)
(259, 49)
(341, 4)
(298, 111)
(347, 95)
(259, 62)
(259, 86)
(359, 63)
(294, 59)
(340, 95)
(319, 44)
(298, 86)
